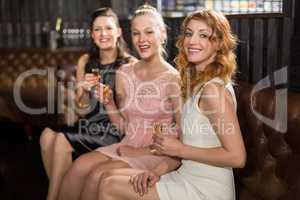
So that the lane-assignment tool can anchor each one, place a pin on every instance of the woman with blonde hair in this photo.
(148, 94)
(211, 139)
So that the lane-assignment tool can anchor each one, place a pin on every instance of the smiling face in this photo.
(105, 32)
(199, 48)
(146, 36)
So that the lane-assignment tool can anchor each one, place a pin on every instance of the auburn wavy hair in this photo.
(224, 64)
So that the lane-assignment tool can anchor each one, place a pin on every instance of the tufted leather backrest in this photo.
(15, 62)
(34, 88)
(272, 171)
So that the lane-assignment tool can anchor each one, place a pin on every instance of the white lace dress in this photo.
(195, 180)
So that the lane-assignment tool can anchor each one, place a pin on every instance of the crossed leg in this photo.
(75, 178)
(47, 140)
(57, 159)
(95, 177)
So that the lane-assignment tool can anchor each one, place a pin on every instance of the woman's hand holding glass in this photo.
(166, 141)
(104, 94)
(157, 129)
(141, 182)
(168, 145)
(90, 80)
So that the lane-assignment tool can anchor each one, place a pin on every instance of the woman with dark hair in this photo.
(107, 54)
(211, 139)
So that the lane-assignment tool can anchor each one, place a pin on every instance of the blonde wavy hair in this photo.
(224, 64)
(147, 9)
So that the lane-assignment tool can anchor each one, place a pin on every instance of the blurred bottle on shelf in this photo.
(259, 6)
(55, 38)
(226, 6)
(209, 4)
(277, 6)
(244, 5)
(218, 5)
(180, 8)
(252, 6)
(45, 35)
(268, 6)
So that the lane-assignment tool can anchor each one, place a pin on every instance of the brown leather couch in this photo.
(34, 88)
(272, 171)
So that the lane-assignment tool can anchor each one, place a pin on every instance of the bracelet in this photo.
(82, 105)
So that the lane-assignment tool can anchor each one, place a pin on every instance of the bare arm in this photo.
(140, 182)
(174, 95)
(114, 109)
(80, 71)
(217, 104)
(167, 165)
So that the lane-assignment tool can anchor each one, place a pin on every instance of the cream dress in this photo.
(195, 180)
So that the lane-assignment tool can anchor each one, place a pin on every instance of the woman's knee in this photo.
(75, 173)
(87, 162)
(84, 165)
(47, 138)
(81, 166)
(96, 176)
(108, 186)
(108, 173)
(61, 144)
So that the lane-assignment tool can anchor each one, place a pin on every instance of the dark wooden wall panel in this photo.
(27, 22)
(15, 19)
(257, 51)
(272, 62)
(2, 4)
(295, 50)
(244, 61)
(173, 32)
(286, 41)
(264, 44)
(37, 40)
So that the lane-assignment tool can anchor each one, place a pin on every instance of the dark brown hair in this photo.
(121, 44)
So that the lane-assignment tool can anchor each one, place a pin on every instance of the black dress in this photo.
(95, 130)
